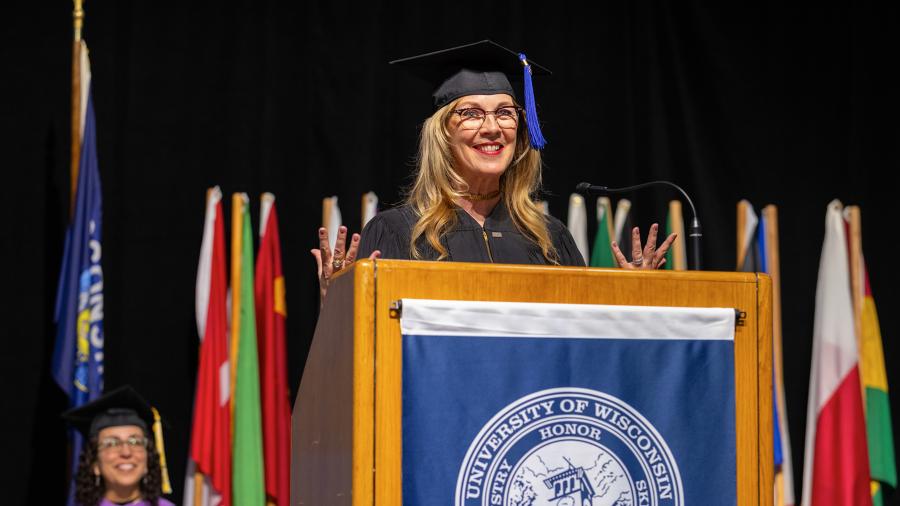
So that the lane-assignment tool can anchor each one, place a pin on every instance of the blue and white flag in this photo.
(563, 404)
(78, 353)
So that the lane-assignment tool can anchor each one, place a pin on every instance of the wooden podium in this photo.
(346, 423)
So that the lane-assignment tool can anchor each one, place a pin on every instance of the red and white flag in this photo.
(208, 477)
(836, 460)
(271, 312)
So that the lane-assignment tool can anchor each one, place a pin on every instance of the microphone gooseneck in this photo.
(694, 230)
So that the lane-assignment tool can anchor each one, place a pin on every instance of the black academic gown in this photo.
(498, 241)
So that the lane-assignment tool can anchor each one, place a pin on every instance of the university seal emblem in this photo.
(569, 447)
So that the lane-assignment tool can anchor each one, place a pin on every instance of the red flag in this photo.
(210, 457)
(270, 316)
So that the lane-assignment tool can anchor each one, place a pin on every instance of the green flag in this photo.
(601, 255)
(248, 479)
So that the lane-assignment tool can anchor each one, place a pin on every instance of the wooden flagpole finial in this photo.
(75, 153)
(78, 18)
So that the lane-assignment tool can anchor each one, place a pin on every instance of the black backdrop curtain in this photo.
(776, 104)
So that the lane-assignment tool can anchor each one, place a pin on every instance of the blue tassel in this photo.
(531, 117)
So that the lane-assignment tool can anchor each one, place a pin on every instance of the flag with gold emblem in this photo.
(271, 312)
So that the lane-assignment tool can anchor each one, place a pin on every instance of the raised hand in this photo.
(648, 257)
(329, 263)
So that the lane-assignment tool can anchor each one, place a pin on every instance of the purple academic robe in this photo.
(162, 502)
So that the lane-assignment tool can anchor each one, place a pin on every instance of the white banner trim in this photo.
(585, 321)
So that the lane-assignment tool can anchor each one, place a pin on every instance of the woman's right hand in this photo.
(329, 263)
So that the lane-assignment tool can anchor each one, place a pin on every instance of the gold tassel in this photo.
(160, 447)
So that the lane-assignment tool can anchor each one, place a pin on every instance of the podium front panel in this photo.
(395, 280)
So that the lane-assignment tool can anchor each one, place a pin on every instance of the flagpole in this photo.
(853, 219)
(75, 155)
(857, 278)
(741, 248)
(77, 22)
(772, 257)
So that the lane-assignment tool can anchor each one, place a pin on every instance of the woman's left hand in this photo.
(648, 257)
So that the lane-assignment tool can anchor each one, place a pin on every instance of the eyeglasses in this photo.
(473, 117)
(134, 443)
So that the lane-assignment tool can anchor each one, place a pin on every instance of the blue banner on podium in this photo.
(519, 404)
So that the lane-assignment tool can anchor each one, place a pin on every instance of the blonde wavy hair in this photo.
(437, 185)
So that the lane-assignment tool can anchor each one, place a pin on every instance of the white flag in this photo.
(578, 224)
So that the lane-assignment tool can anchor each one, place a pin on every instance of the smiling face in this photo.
(122, 467)
(481, 155)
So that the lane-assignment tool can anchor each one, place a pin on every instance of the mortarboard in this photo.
(122, 406)
(480, 68)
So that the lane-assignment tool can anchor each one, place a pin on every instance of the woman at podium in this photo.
(477, 172)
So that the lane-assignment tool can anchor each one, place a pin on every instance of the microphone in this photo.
(694, 230)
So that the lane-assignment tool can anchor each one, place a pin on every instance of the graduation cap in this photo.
(480, 68)
(122, 406)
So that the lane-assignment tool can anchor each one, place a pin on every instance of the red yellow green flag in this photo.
(879, 435)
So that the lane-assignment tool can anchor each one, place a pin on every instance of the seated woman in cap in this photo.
(478, 173)
(119, 461)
